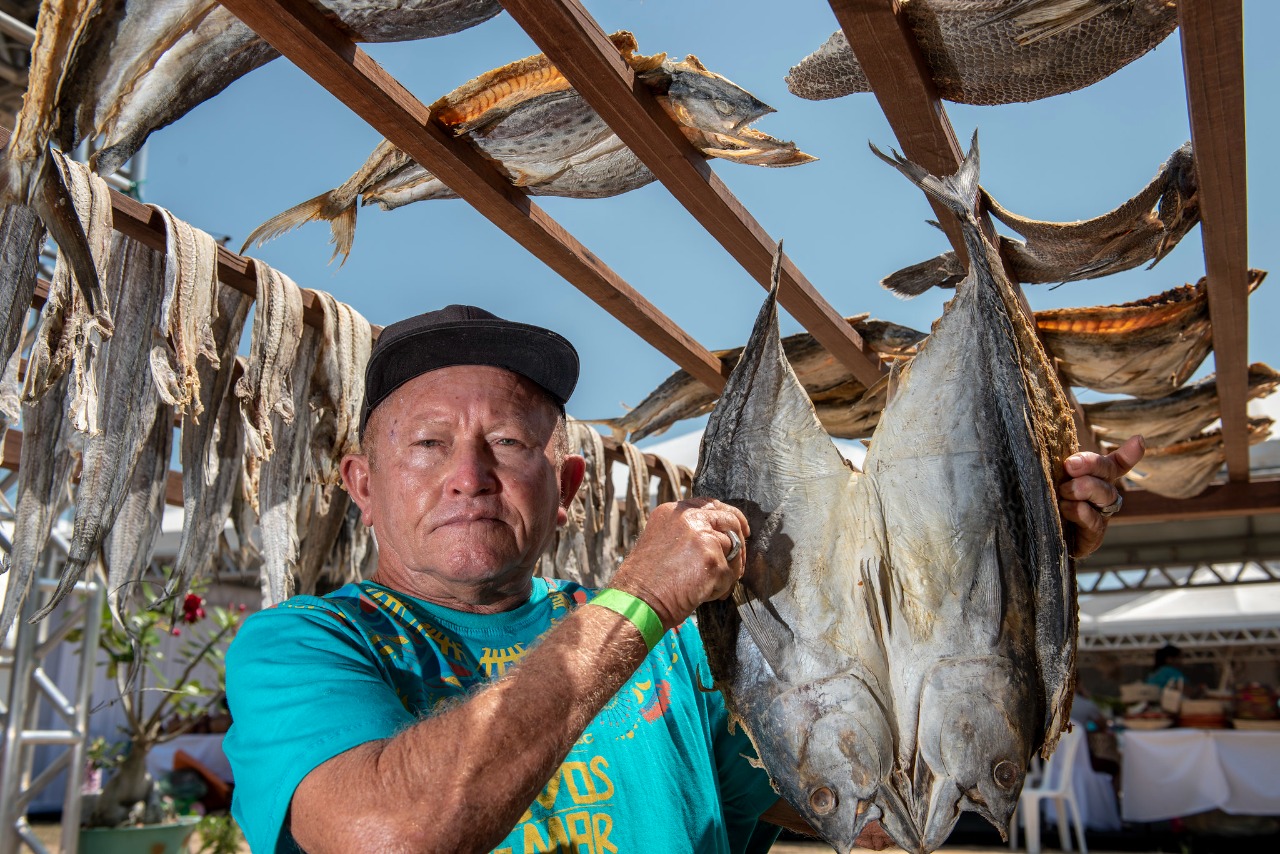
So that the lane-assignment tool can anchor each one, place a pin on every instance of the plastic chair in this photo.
(1056, 785)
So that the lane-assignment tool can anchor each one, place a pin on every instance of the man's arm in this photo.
(459, 780)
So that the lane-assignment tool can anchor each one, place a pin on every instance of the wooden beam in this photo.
(323, 51)
(582, 52)
(12, 458)
(1233, 498)
(1212, 33)
(890, 57)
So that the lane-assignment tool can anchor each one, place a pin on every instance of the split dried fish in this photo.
(548, 141)
(845, 406)
(187, 316)
(1168, 419)
(1185, 469)
(21, 239)
(355, 554)
(1003, 51)
(584, 551)
(283, 475)
(131, 542)
(265, 388)
(125, 406)
(902, 640)
(1143, 229)
(1147, 348)
(212, 449)
(74, 326)
(49, 451)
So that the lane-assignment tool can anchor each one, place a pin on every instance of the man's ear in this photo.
(572, 471)
(355, 478)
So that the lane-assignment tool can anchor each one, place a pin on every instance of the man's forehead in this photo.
(452, 390)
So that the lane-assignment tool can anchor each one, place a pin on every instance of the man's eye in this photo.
(509, 443)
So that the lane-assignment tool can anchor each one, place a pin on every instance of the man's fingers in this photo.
(1090, 526)
(1111, 467)
(1097, 492)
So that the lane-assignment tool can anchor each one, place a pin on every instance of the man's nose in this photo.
(473, 469)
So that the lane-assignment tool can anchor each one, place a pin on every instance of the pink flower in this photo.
(176, 631)
(191, 608)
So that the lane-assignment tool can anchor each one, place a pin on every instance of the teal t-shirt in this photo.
(657, 770)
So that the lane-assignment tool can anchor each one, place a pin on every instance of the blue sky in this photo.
(275, 138)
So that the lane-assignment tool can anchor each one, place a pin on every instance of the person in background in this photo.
(1168, 657)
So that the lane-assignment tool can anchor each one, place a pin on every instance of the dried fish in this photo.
(548, 141)
(265, 388)
(21, 239)
(212, 449)
(1147, 348)
(187, 316)
(74, 324)
(1003, 51)
(1168, 419)
(1145, 228)
(356, 553)
(133, 536)
(902, 640)
(845, 406)
(584, 550)
(635, 511)
(1185, 469)
(49, 450)
(125, 407)
(283, 475)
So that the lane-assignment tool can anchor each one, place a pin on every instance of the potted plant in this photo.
(157, 708)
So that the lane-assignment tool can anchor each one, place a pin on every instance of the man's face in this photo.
(463, 489)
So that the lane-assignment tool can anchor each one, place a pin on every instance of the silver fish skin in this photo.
(187, 314)
(21, 239)
(319, 528)
(212, 450)
(1143, 230)
(49, 451)
(1003, 51)
(133, 536)
(1165, 420)
(796, 651)
(979, 596)
(283, 476)
(125, 407)
(264, 390)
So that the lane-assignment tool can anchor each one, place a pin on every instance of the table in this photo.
(1175, 772)
(206, 749)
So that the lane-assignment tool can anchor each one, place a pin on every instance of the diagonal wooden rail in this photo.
(326, 53)
(890, 57)
(1212, 34)
(582, 52)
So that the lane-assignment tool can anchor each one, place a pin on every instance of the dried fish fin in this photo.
(1044, 19)
(944, 271)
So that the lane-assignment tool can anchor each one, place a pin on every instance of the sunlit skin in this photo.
(465, 488)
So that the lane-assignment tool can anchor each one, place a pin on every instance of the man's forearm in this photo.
(459, 780)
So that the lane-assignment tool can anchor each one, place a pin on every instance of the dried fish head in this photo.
(703, 99)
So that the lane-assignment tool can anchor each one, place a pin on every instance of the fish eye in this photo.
(1005, 774)
(722, 107)
(823, 800)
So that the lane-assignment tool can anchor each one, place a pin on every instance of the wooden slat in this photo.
(1212, 34)
(1234, 498)
(582, 52)
(320, 48)
(890, 57)
(12, 457)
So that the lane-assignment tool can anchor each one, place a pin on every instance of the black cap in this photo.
(466, 335)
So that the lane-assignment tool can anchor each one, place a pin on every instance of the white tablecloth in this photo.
(207, 749)
(1176, 772)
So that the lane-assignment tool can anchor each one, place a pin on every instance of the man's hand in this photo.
(680, 561)
(1092, 486)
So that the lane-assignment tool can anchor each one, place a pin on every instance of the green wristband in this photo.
(636, 610)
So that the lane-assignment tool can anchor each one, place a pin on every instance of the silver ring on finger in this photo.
(1111, 509)
(735, 547)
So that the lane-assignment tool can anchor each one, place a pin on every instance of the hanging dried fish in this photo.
(125, 407)
(75, 320)
(49, 450)
(355, 555)
(845, 406)
(21, 239)
(548, 140)
(584, 550)
(283, 475)
(1147, 348)
(131, 542)
(1145, 228)
(1185, 469)
(1003, 51)
(635, 509)
(1165, 420)
(264, 390)
(190, 301)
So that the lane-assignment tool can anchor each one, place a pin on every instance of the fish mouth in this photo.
(944, 812)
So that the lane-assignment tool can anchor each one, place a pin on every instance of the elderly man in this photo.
(457, 703)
